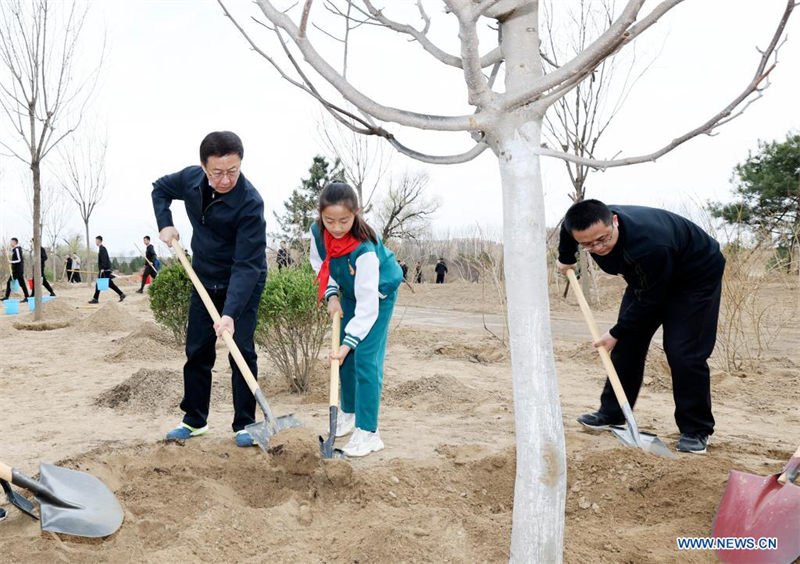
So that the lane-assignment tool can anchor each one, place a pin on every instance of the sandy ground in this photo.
(98, 390)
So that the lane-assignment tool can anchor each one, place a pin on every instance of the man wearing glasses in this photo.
(229, 255)
(674, 274)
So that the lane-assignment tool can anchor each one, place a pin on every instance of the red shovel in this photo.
(758, 507)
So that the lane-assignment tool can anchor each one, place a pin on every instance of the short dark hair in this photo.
(146, 237)
(219, 144)
(342, 194)
(99, 237)
(15, 239)
(582, 215)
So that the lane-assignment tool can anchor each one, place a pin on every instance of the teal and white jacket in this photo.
(366, 276)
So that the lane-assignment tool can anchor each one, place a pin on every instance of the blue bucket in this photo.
(14, 285)
(47, 298)
(31, 303)
(102, 284)
(12, 306)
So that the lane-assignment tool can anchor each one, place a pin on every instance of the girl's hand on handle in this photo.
(168, 234)
(335, 307)
(224, 324)
(340, 356)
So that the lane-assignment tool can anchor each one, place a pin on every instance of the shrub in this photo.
(170, 294)
(291, 326)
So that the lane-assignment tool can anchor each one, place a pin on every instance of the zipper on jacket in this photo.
(205, 211)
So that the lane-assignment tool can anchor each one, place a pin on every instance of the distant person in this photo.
(68, 268)
(674, 274)
(441, 270)
(284, 259)
(104, 271)
(76, 268)
(150, 258)
(17, 270)
(418, 272)
(404, 268)
(359, 278)
(229, 242)
(45, 283)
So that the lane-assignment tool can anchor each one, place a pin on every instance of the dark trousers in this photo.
(148, 271)
(689, 319)
(111, 285)
(440, 278)
(19, 277)
(45, 283)
(201, 354)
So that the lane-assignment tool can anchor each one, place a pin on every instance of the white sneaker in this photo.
(362, 443)
(345, 423)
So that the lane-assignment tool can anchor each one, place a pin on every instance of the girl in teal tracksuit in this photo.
(359, 278)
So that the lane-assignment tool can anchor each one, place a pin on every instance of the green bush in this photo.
(170, 294)
(291, 326)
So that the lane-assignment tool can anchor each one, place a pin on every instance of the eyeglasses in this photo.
(600, 241)
(220, 174)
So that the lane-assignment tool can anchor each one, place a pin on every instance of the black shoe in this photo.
(52, 294)
(93, 301)
(2, 513)
(599, 421)
(695, 443)
(121, 297)
(140, 291)
(24, 301)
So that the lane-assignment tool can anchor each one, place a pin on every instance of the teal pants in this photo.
(361, 374)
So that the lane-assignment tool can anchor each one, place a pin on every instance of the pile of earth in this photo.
(109, 318)
(56, 314)
(148, 343)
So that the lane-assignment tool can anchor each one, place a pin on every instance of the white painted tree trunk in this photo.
(540, 487)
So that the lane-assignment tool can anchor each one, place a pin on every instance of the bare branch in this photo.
(304, 18)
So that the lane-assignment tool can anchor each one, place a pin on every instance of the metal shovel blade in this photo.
(647, 441)
(262, 431)
(326, 446)
(18, 501)
(759, 507)
(73, 502)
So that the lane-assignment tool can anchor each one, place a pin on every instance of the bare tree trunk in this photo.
(87, 266)
(37, 240)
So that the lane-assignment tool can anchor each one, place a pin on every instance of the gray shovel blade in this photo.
(262, 431)
(326, 448)
(646, 441)
(76, 503)
(18, 501)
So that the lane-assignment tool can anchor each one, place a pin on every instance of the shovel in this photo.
(70, 502)
(631, 436)
(261, 432)
(326, 446)
(761, 508)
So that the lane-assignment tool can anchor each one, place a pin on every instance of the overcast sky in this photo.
(175, 70)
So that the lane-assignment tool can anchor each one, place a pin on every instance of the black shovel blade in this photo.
(261, 432)
(18, 501)
(326, 446)
(77, 503)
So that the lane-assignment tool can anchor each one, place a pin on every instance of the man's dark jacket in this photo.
(660, 254)
(150, 253)
(103, 262)
(229, 239)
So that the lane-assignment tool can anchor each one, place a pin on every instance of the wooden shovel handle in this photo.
(6, 472)
(334, 387)
(212, 311)
(604, 356)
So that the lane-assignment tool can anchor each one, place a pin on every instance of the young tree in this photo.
(767, 191)
(301, 205)
(404, 213)
(83, 178)
(509, 122)
(41, 93)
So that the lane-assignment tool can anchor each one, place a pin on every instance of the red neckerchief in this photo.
(334, 248)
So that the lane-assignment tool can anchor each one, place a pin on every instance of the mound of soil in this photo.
(484, 352)
(147, 342)
(442, 392)
(296, 451)
(56, 314)
(154, 391)
(110, 317)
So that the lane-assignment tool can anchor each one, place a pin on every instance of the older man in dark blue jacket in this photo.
(229, 256)
(674, 275)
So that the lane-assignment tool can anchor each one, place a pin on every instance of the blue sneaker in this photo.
(243, 439)
(185, 432)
